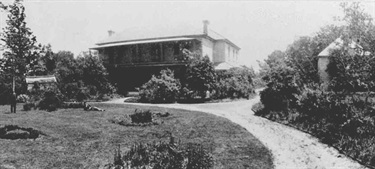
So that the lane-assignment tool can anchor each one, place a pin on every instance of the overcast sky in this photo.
(258, 27)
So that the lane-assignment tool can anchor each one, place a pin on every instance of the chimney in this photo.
(205, 26)
(110, 33)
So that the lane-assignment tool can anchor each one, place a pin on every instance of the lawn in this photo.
(81, 139)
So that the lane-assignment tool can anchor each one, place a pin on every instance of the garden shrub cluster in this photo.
(28, 106)
(50, 102)
(164, 155)
(198, 83)
(342, 117)
(160, 89)
(345, 122)
(50, 99)
(234, 83)
(338, 110)
(199, 77)
(140, 118)
(281, 89)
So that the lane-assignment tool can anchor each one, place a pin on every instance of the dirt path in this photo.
(291, 148)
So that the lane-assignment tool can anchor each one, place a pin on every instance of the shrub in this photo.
(235, 83)
(164, 155)
(345, 122)
(197, 157)
(141, 116)
(50, 101)
(281, 89)
(28, 106)
(162, 89)
(200, 76)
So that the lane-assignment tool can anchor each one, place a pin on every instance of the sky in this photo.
(257, 27)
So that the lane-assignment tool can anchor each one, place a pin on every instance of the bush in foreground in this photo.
(164, 155)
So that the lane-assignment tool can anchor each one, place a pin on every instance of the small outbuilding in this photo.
(42, 82)
(323, 61)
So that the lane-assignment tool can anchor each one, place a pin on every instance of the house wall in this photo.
(207, 48)
(231, 54)
(149, 53)
(219, 52)
(322, 68)
(42, 86)
(225, 52)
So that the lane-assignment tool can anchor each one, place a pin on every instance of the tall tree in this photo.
(350, 71)
(21, 51)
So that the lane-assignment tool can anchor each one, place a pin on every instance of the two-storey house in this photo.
(132, 57)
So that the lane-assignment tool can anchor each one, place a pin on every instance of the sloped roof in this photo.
(160, 32)
(224, 66)
(41, 79)
(142, 41)
(337, 44)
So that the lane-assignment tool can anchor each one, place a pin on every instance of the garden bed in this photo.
(81, 139)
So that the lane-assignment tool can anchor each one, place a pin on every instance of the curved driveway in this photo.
(290, 148)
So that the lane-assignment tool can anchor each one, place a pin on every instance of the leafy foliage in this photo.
(21, 50)
(28, 106)
(345, 122)
(80, 78)
(164, 155)
(235, 83)
(200, 77)
(351, 73)
(342, 115)
(51, 101)
(302, 57)
(141, 116)
(281, 89)
(21, 54)
(162, 89)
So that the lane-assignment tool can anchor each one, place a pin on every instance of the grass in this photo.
(82, 139)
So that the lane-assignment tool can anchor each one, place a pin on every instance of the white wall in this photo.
(322, 68)
(231, 54)
(219, 52)
(207, 48)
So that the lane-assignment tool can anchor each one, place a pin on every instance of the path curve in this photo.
(291, 148)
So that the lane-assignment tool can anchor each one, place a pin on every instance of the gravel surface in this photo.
(291, 148)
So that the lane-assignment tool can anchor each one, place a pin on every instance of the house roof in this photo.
(224, 66)
(41, 79)
(142, 41)
(160, 32)
(337, 44)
